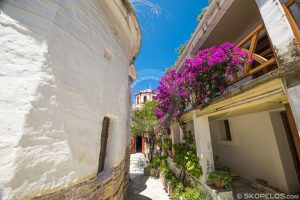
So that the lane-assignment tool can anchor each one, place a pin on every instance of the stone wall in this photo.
(106, 186)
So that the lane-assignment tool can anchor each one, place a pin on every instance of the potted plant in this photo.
(220, 179)
(153, 168)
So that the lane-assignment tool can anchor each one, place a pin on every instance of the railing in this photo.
(263, 58)
(290, 16)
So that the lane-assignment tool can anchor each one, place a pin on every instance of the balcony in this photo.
(259, 48)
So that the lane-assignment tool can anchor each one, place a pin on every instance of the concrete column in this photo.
(279, 31)
(181, 135)
(203, 144)
(175, 133)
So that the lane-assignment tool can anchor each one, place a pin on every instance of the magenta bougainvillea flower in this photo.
(204, 77)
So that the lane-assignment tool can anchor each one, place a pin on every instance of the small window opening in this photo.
(227, 130)
(145, 98)
(104, 137)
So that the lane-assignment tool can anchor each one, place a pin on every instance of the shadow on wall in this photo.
(60, 113)
(43, 129)
(137, 185)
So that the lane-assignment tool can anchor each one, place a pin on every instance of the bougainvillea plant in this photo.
(204, 77)
(171, 96)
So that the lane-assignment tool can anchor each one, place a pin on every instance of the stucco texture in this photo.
(258, 150)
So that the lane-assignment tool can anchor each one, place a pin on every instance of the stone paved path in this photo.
(143, 187)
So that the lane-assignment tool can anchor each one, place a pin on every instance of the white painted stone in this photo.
(203, 144)
(55, 90)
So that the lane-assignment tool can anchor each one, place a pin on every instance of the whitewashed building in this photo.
(65, 72)
(142, 96)
(253, 129)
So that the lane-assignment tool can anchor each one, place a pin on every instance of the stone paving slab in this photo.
(143, 187)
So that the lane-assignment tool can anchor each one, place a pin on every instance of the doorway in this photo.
(138, 144)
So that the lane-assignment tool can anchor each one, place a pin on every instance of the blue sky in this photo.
(162, 34)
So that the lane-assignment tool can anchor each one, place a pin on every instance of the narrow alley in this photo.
(149, 99)
(143, 187)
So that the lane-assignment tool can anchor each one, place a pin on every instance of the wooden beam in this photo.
(253, 71)
(289, 3)
(252, 48)
(293, 127)
(267, 51)
(271, 91)
(260, 59)
(248, 37)
(262, 66)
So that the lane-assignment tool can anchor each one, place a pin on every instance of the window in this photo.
(145, 98)
(137, 100)
(227, 130)
(225, 133)
(104, 137)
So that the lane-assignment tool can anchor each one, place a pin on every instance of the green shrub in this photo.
(186, 158)
(156, 162)
(167, 144)
(189, 138)
(192, 164)
(194, 194)
(179, 154)
(178, 191)
(164, 169)
(221, 179)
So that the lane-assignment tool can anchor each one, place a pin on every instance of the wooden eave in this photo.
(267, 96)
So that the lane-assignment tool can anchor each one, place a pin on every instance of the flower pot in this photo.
(152, 172)
(220, 184)
(147, 171)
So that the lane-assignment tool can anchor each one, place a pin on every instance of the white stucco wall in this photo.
(254, 151)
(56, 87)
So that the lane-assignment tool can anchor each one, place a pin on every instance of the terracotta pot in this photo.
(152, 172)
(219, 184)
